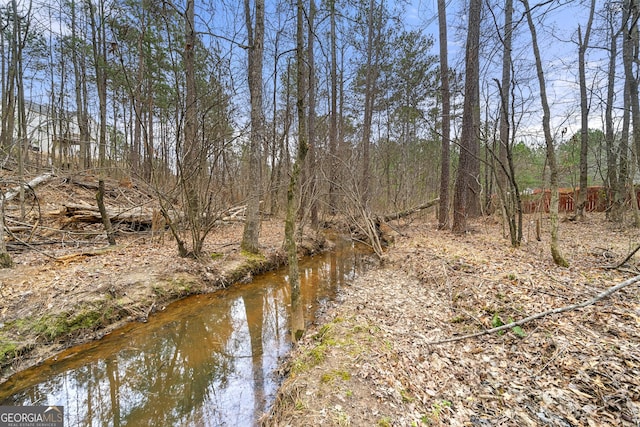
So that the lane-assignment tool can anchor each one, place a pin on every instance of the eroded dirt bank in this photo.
(371, 362)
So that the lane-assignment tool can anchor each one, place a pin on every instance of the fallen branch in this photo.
(624, 261)
(33, 183)
(65, 259)
(521, 322)
(402, 214)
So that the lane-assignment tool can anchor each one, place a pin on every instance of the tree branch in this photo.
(621, 263)
(592, 301)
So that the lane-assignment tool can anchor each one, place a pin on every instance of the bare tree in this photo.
(255, 38)
(99, 45)
(370, 88)
(293, 189)
(558, 259)
(504, 170)
(469, 146)
(630, 56)
(583, 44)
(81, 90)
(631, 107)
(443, 213)
(507, 42)
(191, 165)
(312, 161)
(333, 113)
(616, 178)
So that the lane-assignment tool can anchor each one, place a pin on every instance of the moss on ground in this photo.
(54, 326)
(8, 350)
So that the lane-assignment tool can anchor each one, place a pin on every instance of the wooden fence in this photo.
(539, 200)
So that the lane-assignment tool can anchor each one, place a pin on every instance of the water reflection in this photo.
(207, 360)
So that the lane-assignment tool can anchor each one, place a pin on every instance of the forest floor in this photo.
(371, 361)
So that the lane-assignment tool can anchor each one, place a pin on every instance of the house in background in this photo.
(53, 136)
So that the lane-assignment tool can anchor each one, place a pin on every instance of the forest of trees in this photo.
(326, 107)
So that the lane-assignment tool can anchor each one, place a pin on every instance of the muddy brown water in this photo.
(207, 360)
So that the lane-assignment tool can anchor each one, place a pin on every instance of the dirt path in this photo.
(371, 362)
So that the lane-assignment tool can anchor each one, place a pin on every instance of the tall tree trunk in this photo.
(510, 193)
(333, 113)
(275, 154)
(463, 193)
(297, 323)
(583, 44)
(4, 142)
(149, 143)
(312, 119)
(443, 213)
(9, 94)
(190, 170)
(80, 75)
(371, 76)
(137, 105)
(98, 43)
(556, 254)
(632, 10)
(250, 237)
(21, 142)
(627, 116)
(615, 182)
(505, 92)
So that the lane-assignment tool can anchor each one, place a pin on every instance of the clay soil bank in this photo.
(371, 362)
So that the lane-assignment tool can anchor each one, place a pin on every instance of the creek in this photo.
(207, 360)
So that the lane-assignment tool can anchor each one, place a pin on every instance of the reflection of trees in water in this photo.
(176, 376)
(254, 310)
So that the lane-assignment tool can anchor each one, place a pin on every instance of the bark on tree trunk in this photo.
(443, 213)
(312, 119)
(583, 44)
(190, 168)
(615, 182)
(100, 60)
(5, 257)
(251, 234)
(632, 10)
(371, 76)
(297, 324)
(333, 114)
(463, 203)
(556, 254)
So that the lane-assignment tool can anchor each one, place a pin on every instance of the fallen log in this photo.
(84, 212)
(33, 183)
(405, 213)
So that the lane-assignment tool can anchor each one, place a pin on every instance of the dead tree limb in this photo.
(405, 213)
(90, 214)
(521, 322)
(620, 264)
(33, 183)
